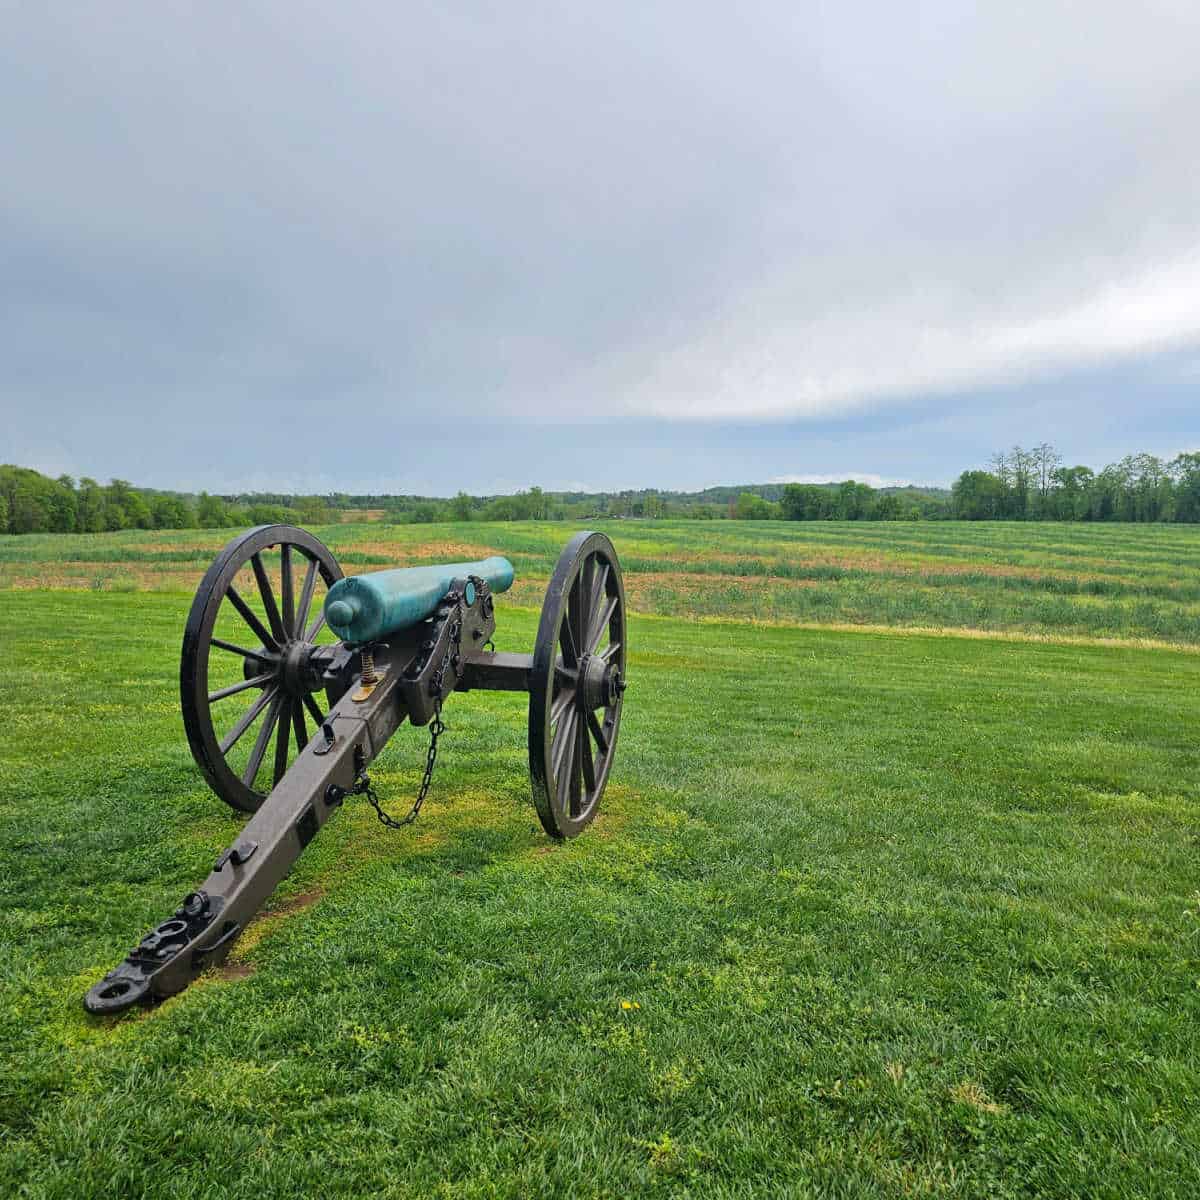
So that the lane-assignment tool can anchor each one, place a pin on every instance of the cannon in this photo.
(331, 666)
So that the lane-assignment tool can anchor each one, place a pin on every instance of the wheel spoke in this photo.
(283, 738)
(575, 779)
(564, 779)
(313, 710)
(268, 597)
(593, 723)
(251, 619)
(245, 685)
(599, 625)
(585, 761)
(259, 655)
(575, 614)
(581, 593)
(260, 742)
(567, 641)
(610, 651)
(599, 583)
(564, 742)
(287, 595)
(298, 725)
(246, 720)
(562, 702)
(315, 628)
(306, 595)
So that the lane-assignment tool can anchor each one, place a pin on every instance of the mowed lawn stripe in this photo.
(1108, 581)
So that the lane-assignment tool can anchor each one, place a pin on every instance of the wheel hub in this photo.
(600, 682)
(292, 666)
(297, 677)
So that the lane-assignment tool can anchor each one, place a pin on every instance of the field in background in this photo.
(1120, 581)
(863, 915)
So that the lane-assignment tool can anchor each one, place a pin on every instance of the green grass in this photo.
(1109, 581)
(864, 914)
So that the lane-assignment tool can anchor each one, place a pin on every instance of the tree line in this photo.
(34, 503)
(1034, 485)
(1021, 485)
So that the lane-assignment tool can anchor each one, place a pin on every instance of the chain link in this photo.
(436, 728)
(362, 785)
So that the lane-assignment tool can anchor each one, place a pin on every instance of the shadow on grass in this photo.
(467, 834)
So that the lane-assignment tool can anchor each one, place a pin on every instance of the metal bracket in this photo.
(329, 737)
(129, 981)
(364, 692)
(201, 953)
(237, 855)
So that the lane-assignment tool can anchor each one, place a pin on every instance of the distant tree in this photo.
(750, 507)
(792, 502)
(533, 505)
(978, 496)
(269, 514)
(461, 507)
(1046, 461)
(27, 514)
(35, 503)
(1185, 473)
(1071, 494)
(1022, 468)
(1152, 492)
(807, 502)
(211, 512)
(1107, 492)
(171, 512)
(313, 510)
(887, 508)
(125, 507)
(89, 513)
(425, 512)
(502, 508)
(855, 501)
(24, 492)
(63, 504)
(653, 506)
(1001, 470)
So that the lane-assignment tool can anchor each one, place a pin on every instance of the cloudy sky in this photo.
(417, 247)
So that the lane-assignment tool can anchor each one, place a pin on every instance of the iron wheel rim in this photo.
(572, 744)
(289, 625)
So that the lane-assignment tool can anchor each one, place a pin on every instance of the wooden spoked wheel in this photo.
(577, 685)
(244, 679)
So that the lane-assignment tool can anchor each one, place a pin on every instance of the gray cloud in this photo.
(286, 216)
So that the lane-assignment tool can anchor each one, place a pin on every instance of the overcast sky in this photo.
(407, 247)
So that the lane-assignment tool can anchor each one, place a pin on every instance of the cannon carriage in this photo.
(294, 676)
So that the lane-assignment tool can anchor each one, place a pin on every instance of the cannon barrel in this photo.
(364, 608)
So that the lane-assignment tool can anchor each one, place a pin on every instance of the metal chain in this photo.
(436, 728)
(362, 785)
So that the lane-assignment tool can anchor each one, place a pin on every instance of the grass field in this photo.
(1095, 581)
(864, 914)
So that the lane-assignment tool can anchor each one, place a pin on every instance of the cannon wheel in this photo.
(577, 685)
(263, 640)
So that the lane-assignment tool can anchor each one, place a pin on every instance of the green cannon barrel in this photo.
(364, 608)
